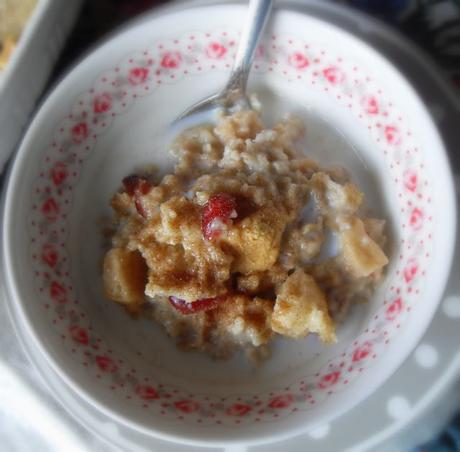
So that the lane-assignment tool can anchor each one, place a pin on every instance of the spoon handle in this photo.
(258, 13)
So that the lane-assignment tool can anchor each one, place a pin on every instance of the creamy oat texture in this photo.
(229, 250)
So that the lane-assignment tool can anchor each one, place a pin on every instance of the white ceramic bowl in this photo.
(109, 116)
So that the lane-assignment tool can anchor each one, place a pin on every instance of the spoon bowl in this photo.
(234, 94)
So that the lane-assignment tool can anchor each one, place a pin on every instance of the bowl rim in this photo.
(7, 226)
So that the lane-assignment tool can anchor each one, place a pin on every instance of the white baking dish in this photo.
(22, 82)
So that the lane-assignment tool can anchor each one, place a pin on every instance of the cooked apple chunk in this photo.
(255, 241)
(125, 275)
(360, 252)
(301, 308)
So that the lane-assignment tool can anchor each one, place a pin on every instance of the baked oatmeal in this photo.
(13, 17)
(228, 251)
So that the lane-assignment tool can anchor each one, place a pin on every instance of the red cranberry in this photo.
(130, 184)
(217, 212)
(137, 186)
(205, 304)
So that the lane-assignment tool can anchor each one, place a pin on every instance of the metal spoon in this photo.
(234, 92)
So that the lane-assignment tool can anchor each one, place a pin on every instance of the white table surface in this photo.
(397, 417)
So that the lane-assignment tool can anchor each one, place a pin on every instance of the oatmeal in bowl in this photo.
(231, 249)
